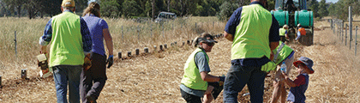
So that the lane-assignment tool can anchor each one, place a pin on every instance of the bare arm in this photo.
(43, 49)
(209, 78)
(273, 45)
(288, 81)
(228, 36)
(108, 41)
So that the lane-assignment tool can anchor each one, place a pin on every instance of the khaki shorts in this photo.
(289, 63)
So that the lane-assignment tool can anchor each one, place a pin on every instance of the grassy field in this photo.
(156, 78)
(127, 36)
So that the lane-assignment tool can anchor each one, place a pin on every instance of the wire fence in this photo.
(345, 32)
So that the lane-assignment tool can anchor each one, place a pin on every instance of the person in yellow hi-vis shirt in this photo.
(71, 43)
(284, 34)
(283, 54)
(254, 33)
(196, 82)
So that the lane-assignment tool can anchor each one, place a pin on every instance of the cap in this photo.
(207, 38)
(298, 25)
(307, 61)
(285, 26)
(68, 3)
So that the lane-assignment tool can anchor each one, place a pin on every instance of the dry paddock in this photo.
(155, 78)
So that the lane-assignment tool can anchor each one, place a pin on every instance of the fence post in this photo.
(346, 25)
(341, 31)
(163, 30)
(333, 24)
(138, 30)
(15, 45)
(151, 30)
(213, 24)
(356, 28)
(173, 27)
(122, 33)
(350, 25)
(338, 29)
(196, 27)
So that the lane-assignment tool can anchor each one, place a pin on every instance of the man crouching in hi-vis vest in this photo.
(254, 33)
(196, 82)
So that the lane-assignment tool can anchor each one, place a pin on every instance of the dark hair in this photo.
(93, 8)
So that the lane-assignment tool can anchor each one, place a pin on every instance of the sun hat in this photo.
(207, 38)
(307, 61)
(285, 26)
(68, 3)
(299, 25)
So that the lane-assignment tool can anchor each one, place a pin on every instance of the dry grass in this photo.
(336, 70)
(156, 78)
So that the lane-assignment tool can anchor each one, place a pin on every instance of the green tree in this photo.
(148, 8)
(203, 8)
(109, 8)
(315, 7)
(331, 10)
(270, 5)
(356, 8)
(322, 9)
(226, 10)
(52, 7)
(17, 4)
(4, 9)
(130, 9)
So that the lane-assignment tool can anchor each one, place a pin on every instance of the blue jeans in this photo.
(64, 75)
(236, 79)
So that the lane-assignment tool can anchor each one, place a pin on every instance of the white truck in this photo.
(165, 16)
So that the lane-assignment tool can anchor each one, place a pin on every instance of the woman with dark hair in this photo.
(94, 78)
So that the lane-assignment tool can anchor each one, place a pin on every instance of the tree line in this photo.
(150, 8)
(340, 9)
(125, 8)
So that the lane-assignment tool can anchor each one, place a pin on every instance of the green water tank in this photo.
(304, 17)
(281, 16)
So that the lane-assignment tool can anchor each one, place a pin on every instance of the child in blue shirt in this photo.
(300, 84)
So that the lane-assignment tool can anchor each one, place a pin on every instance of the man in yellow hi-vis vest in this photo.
(254, 33)
(70, 41)
(283, 33)
(196, 82)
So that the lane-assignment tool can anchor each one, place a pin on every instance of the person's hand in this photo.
(87, 62)
(209, 89)
(271, 56)
(110, 60)
(42, 52)
(284, 75)
(222, 80)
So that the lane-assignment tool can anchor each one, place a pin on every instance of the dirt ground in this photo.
(156, 78)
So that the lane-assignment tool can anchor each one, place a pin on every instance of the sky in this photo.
(333, 1)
